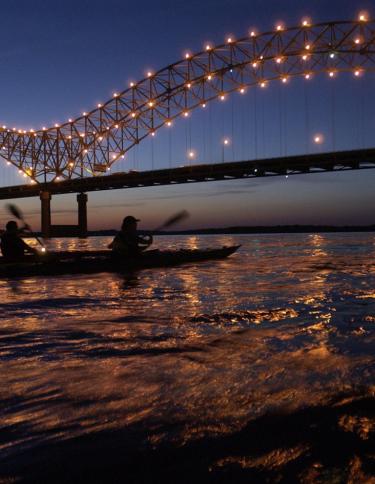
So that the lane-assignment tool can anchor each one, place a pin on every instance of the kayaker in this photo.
(12, 246)
(128, 243)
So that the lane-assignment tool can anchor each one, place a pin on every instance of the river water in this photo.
(257, 368)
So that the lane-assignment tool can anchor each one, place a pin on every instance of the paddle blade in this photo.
(178, 217)
(14, 210)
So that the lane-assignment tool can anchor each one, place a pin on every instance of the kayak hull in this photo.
(90, 262)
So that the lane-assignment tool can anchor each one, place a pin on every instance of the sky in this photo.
(63, 57)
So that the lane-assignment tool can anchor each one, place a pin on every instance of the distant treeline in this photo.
(277, 229)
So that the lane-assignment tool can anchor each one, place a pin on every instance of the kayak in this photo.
(90, 262)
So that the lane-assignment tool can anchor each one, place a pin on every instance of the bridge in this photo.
(72, 157)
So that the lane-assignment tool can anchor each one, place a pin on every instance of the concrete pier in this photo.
(45, 198)
(49, 230)
(82, 215)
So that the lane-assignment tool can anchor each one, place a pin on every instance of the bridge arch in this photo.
(92, 142)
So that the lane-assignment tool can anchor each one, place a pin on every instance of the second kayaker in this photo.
(128, 243)
(12, 246)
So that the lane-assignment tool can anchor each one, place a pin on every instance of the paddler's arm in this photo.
(145, 240)
(27, 247)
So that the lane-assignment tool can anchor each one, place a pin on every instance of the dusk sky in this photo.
(61, 58)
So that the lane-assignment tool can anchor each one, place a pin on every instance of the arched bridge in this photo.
(91, 143)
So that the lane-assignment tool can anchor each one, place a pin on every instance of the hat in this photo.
(129, 219)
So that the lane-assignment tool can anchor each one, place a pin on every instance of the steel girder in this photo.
(91, 143)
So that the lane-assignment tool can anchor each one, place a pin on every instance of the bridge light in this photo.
(284, 79)
(82, 135)
(242, 90)
(44, 128)
(152, 133)
(357, 40)
(358, 72)
(71, 164)
(279, 27)
(24, 131)
(331, 74)
(4, 127)
(151, 104)
(70, 120)
(191, 154)
(169, 123)
(255, 64)
(149, 74)
(308, 46)
(263, 84)
(69, 137)
(113, 157)
(222, 97)
(209, 77)
(84, 113)
(56, 125)
(229, 40)
(188, 85)
(332, 55)
(186, 114)
(226, 141)
(100, 138)
(318, 139)
(279, 60)
(252, 33)
(363, 17)
(305, 57)
(307, 76)
(99, 105)
(85, 151)
(131, 84)
(115, 94)
(203, 105)
(208, 47)
(116, 126)
(8, 163)
(187, 55)
(306, 23)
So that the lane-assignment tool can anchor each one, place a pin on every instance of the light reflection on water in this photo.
(191, 351)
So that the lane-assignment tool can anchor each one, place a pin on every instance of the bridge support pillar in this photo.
(45, 198)
(82, 215)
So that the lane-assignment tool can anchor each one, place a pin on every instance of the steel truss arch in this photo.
(91, 143)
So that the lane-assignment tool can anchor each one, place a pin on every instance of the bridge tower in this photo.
(49, 230)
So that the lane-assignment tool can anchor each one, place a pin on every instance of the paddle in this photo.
(173, 220)
(14, 210)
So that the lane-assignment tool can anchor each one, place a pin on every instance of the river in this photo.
(257, 368)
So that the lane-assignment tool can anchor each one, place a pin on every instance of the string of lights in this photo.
(91, 143)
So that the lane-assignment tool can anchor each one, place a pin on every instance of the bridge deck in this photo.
(291, 165)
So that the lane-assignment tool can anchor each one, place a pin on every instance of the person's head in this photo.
(129, 223)
(11, 226)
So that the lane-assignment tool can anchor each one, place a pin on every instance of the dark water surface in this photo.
(258, 368)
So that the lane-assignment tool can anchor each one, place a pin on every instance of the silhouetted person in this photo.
(128, 243)
(12, 246)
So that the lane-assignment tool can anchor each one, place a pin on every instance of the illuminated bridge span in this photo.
(289, 165)
(91, 143)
